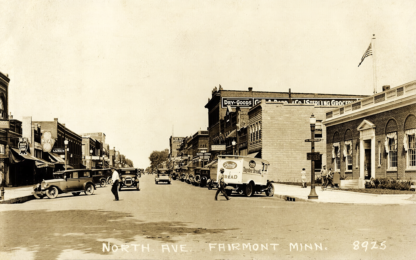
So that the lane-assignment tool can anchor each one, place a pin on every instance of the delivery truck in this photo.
(245, 175)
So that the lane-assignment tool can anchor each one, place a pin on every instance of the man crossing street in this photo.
(222, 185)
(116, 179)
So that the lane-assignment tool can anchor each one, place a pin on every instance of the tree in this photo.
(129, 162)
(158, 157)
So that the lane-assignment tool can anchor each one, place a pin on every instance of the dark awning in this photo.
(40, 163)
(56, 159)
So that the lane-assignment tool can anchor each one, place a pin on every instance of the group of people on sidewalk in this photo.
(326, 177)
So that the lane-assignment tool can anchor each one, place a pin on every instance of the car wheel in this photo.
(137, 186)
(110, 181)
(103, 183)
(89, 189)
(270, 190)
(52, 192)
(38, 196)
(249, 189)
(76, 193)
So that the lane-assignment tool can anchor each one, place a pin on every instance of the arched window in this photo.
(390, 144)
(348, 150)
(409, 142)
(257, 132)
(2, 110)
(336, 151)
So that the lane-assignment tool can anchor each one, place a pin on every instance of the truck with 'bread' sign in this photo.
(245, 175)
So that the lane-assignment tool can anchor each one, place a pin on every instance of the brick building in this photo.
(174, 145)
(4, 124)
(277, 131)
(198, 143)
(52, 139)
(221, 101)
(374, 137)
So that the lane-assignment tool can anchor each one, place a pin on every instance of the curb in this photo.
(18, 200)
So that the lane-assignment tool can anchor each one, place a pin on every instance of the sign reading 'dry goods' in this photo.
(249, 102)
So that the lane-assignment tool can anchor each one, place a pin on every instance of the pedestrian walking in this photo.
(222, 185)
(303, 173)
(116, 179)
(329, 178)
(323, 176)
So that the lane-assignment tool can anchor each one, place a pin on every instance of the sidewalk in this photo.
(17, 194)
(297, 193)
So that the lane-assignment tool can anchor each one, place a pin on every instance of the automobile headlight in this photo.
(46, 185)
(132, 179)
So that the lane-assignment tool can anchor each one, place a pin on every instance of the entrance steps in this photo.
(349, 184)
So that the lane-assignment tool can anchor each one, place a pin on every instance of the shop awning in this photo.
(40, 163)
(232, 134)
(211, 163)
(56, 159)
(252, 155)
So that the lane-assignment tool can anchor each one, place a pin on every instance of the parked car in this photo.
(129, 178)
(162, 176)
(100, 176)
(74, 181)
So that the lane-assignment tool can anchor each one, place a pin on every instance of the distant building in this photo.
(174, 145)
(374, 137)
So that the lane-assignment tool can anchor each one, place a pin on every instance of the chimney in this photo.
(250, 89)
(386, 87)
(10, 116)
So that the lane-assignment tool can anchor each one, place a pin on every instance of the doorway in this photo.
(367, 160)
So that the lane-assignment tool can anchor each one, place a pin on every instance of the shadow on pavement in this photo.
(56, 231)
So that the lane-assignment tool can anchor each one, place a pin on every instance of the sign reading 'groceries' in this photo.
(250, 102)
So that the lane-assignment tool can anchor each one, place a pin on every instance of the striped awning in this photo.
(40, 163)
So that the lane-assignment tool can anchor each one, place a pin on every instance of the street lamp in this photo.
(312, 121)
(66, 148)
(91, 158)
(233, 143)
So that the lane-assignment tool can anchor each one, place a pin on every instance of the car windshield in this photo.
(58, 176)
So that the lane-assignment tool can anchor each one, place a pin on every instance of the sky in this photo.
(139, 71)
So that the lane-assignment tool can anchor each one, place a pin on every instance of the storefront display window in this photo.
(348, 155)
(336, 156)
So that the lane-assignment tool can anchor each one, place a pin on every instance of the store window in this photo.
(348, 155)
(257, 132)
(336, 156)
(410, 148)
(391, 150)
(2, 150)
(379, 154)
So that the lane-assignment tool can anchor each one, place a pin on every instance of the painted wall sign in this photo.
(250, 102)
(47, 141)
(23, 146)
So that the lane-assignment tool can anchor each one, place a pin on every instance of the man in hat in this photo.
(116, 180)
(222, 185)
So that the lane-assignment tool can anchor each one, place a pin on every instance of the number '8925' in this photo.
(369, 245)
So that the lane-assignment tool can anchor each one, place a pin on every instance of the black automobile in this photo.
(129, 178)
(101, 176)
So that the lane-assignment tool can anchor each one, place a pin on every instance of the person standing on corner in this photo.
(116, 179)
(303, 173)
(222, 185)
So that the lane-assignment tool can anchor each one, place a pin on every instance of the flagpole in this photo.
(373, 46)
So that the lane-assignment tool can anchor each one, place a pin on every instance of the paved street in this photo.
(181, 221)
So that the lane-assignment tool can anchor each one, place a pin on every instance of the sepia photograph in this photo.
(218, 129)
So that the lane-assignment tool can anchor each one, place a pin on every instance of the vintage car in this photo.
(129, 178)
(101, 176)
(74, 181)
(163, 176)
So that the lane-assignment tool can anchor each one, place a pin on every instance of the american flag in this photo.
(367, 53)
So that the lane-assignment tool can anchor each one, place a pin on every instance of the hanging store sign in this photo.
(4, 124)
(218, 147)
(23, 146)
(250, 102)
